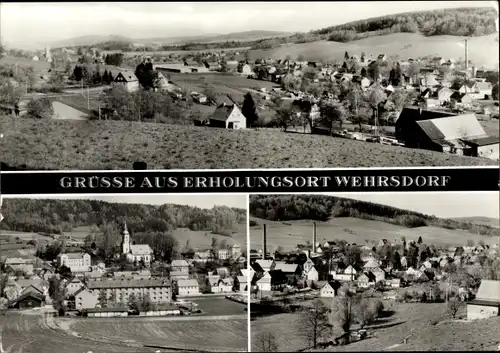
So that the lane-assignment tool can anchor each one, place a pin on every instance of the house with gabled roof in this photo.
(329, 290)
(128, 80)
(227, 116)
(272, 280)
(366, 280)
(487, 301)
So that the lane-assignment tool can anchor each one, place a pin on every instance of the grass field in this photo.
(109, 145)
(483, 51)
(354, 230)
(426, 326)
(189, 333)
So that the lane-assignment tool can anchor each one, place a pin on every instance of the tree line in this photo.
(58, 216)
(322, 208)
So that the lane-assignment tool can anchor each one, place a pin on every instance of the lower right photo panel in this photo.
(375, 272)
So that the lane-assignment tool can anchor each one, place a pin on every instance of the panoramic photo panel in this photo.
(375, 272)
(124, 274)
(207, 85)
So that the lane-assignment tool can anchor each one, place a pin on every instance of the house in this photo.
(227, 116)
(291, 271)
(484, 89)
(20, 264)
(76, 262)
(444, 94)
(245, 69)
(224, 254)
(366, 280)
(202, 256)
(312, 274)
(429, 80)
(487, 301)
(347, 275)
(486, 147)
(188, 287)
(235, 251)
(378, 273)
(393, 283)
(84, 299)
(329, 290)
(224, 285)
(128, 80)
(461, 99)
(73, 286)
(241, 284)
(306, 266)
(271, 281)
(178, 275)
(180, 266)
(28, 300)
(371, 265)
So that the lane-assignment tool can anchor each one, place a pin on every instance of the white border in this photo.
(249, 280)
(243, 170)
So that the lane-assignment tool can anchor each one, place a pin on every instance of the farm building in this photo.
(181, 68)
(366, 280)
(487, 147)
(28, 300)
(188, 287)
(227, 116)
(128, 80)
(158, 289)
(312, 274)
(439, 131)
(107, 312)
(487, 301)
(76, 262)
(291, 271)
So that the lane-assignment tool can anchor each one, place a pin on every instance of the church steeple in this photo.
(125, 240)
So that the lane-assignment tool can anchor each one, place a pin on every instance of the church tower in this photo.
(125, 240)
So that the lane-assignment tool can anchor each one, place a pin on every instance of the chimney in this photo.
(314, 238)
(264, 244)
(466, 56)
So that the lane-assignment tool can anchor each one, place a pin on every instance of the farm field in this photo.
(219, 306)
(24, 332)
(483, 51)
(205, 334)
(59, 144)
(176, 52)
(420, 323)
(353, 230)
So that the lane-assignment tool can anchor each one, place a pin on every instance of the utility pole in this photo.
(88, 98)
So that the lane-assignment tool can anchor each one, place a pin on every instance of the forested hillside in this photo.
(322, 208)
(455, 22)
(57, 216)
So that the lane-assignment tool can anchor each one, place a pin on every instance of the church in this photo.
(135, 252)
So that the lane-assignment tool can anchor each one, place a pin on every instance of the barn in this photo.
(28, 300)
(487, 301)
(228, 116)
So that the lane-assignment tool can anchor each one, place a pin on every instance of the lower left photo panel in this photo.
(131, 273)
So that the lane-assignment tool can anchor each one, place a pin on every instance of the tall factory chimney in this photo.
(264, 244)
(466, 56)
(314, 238)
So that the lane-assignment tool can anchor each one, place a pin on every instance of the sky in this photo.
(439, 204)
(38, 23)
(201, 201)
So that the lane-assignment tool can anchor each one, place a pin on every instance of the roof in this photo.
(483, 141)
(453, 127)
(484, 302)
(222, 112)
(74, 255)
(187, 283)
(129, 76)
(417, 114)
(107, 310)
(242, 279)
(127, 283)
(178, 273)
(17, 261)
(179, 263)
(484, 85)
(25, 295)
(489, 290)
(140, 249)
(264, 263)
(286, 268)
(372, 263)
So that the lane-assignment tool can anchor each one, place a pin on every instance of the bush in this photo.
(40, 108)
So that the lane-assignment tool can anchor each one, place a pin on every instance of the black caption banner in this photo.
(251, 181)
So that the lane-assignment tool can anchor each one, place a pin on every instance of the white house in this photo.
(312, 274)
(228, 116)
(264, 283)
(76, 262)
(128, 80)
(327, 291)
(266, 265)
(188, 287)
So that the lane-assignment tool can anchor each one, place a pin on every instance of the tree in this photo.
(346, 56)
(214, 247)
(266, 342)
(419, 241)
(454, 305)
(315, 322)
(373, 71)
(40, 108)
(396, 262)
(343, 310)
(374, 97)
(249, 110)
(354, 98)
(286, 116)
(102, 299)
(146, 303)
(365, 312)
(332, 111)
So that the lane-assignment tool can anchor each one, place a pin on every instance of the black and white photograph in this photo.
(124, 274)
(375, 272)
(233, 85)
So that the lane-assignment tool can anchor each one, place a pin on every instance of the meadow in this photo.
(483, 51)
(425, 325)
(353, 230)
(107, 145)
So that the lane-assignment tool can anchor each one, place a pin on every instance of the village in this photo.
(441, 104)
(337, 293)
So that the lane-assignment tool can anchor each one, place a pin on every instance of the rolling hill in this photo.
(483, 51)
(88, 40)
(487, 221)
